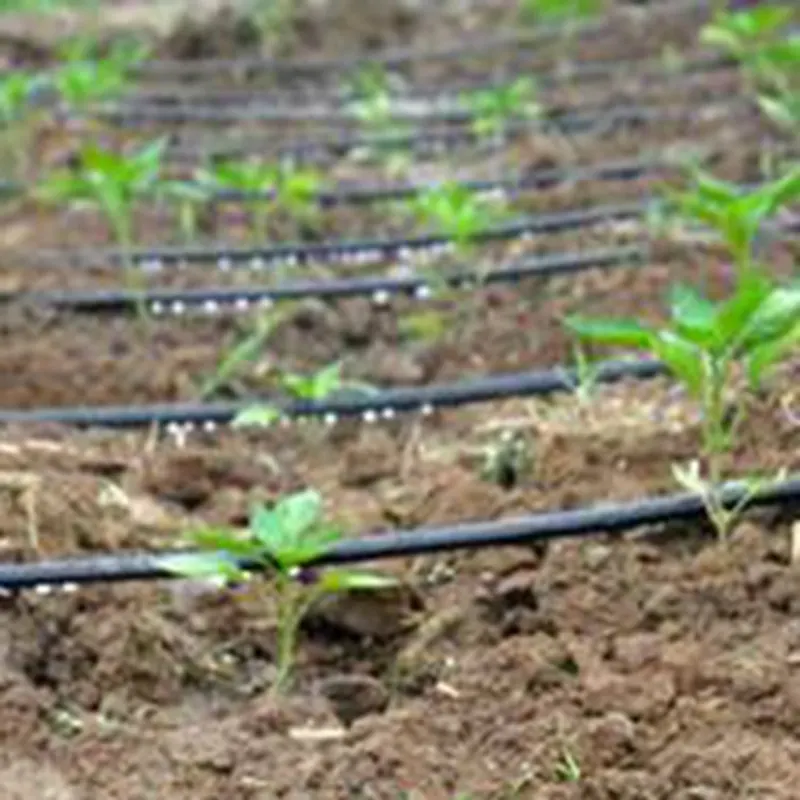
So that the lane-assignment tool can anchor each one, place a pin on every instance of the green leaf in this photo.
(202, 565)
(774, 318)
(299, 512)
(734, 316)
(257, 417)
(230, 541)
(347, 581)
(327, 380)
(693, 315)
(764, 356)
(616, 333)
(683, 358)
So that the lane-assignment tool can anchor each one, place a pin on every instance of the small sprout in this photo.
(568, 770)
(313, 388)
(493, 109)
(282, 541)
(371, 104)
(245, 352)
(537, 11)
(456, 212)
(190, 197)
(427, 326)
(254, 179)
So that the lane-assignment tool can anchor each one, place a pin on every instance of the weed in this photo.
(281, 540)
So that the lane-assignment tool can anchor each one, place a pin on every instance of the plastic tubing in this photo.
(70, 573)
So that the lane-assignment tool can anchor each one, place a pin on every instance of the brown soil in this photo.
(658, 666)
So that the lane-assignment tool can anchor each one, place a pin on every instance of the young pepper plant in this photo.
(113, 183)
(494, 108)
(280, 542)
(704, 345)
(747, 36)
(313, 388)
(456, 212)
(254, 179)
(735, 213)
(15, 92)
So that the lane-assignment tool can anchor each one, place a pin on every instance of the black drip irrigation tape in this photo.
(651, 69)
(403, 56)
(625, 170)
(132, 113)
(216, 300)
(357, 251)
(68, 574)
(441, 141)
(369, 406)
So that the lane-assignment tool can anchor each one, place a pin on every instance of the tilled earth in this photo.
(659, 665)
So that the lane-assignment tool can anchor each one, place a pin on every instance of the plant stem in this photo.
(134, 278)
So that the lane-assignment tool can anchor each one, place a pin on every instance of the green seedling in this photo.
(784, 110)
(770, 62)
(705, 345)
(254, 179)
(296, 190)
(16, 91)
(568, 13)
(85, 77)
(313, 388)
(456, 212)
(736, 214)
(568, 770)
(245, 352)
(538, 11)
(280, 542)
(113, 183)
(189, 197)
(371, 104)
(426, 326)
(110, 181)
(744, 35)
(493, 109)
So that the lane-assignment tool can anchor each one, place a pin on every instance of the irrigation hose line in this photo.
(70, 573)
(243, 298)
(355, 251)
(364, 194)
(399, 56)
(370, 406)
(126, 114)
(360, 251)
(440, 141)
(448, 104)
(651, 69)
